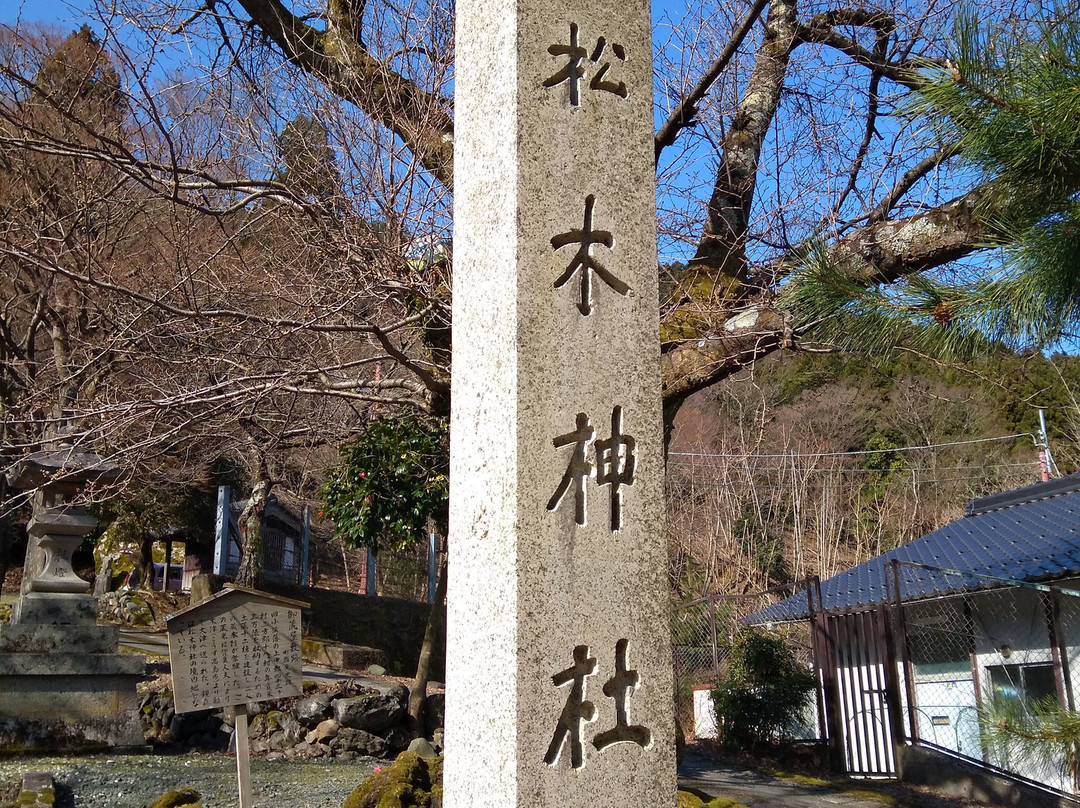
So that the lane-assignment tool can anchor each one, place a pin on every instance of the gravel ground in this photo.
(132, 781)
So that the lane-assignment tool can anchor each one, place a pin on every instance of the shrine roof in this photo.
(232, 591)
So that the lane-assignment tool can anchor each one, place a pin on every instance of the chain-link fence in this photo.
(335, 565)
(703, 632)
(974, 666)
(989, 669)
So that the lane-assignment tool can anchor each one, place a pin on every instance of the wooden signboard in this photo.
(238, 646)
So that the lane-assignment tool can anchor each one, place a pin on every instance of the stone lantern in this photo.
(57, 527)
(61, 676)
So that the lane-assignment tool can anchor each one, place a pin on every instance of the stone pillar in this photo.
(558, 597)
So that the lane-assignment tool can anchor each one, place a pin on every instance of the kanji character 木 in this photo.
(576, 712)
(583, 260)
(572, 71)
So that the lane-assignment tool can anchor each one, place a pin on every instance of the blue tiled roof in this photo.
(1028, 534)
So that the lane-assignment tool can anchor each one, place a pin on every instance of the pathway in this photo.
(758, 790)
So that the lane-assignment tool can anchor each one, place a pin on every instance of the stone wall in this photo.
(343, 722)
(393, 625)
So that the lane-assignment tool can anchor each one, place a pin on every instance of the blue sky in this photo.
(37, 10)
(60, 11)
(65, 15)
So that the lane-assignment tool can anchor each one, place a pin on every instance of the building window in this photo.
(1022, 684)
(938, 651)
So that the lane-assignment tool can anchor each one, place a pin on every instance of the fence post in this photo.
(834, 721)
(1058, 651)
(221, 531)
(905, 651)
(815, 652)
(892, 688)
(715, 650)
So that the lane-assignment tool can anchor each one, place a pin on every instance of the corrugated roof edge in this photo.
(1022, 496)
(790, 610)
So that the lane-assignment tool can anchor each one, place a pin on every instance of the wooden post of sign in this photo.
(243, 755)
(209, 641)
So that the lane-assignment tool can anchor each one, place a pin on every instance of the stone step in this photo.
(343, 656)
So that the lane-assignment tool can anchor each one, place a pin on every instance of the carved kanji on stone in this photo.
(576, 711)
(578, 470)
(583, 260)
(615, 464)
(620, 687)
(577, 57)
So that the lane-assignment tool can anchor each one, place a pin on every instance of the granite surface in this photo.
(558, 593)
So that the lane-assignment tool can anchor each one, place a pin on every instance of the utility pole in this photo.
(1046, 461)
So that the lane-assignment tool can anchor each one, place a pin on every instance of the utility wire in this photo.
(838, 470)
(856, 453)
(823, 486)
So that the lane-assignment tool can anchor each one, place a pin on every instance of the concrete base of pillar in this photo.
(69, 702)
(60, 608)
(44, 638)
(63, 686)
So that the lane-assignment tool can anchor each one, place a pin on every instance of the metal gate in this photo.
(862, 696)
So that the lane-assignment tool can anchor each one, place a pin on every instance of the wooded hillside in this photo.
(809, 464)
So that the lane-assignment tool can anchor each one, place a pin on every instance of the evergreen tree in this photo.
(79, 69)
(1009, 104)
(310, 161)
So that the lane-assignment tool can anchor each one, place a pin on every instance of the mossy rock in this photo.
(689, 799)
(136, 610)
(415, 782)
(274, 719)
(177, 798)
(409, 782)
(44, 798)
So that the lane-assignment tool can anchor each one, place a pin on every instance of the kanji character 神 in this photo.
(615, 464)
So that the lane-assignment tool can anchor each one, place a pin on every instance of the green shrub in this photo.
(764, 693)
